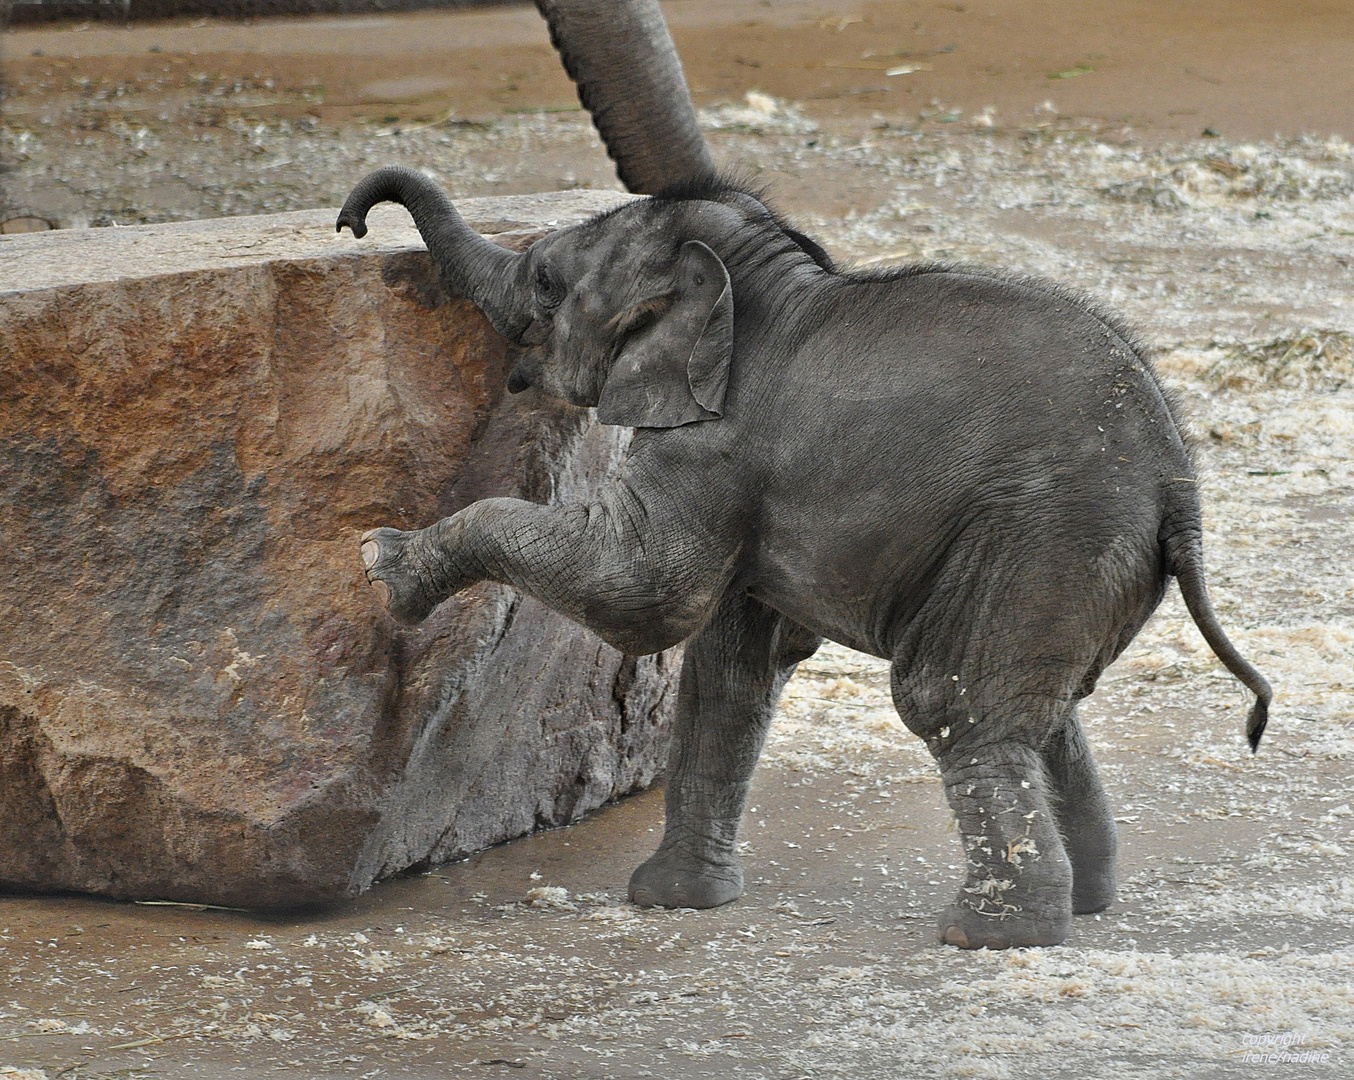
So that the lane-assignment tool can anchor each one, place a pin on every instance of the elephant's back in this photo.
(976, 366)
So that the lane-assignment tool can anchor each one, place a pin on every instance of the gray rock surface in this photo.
(200, 699)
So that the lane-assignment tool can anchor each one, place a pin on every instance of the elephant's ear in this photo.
(675, 370)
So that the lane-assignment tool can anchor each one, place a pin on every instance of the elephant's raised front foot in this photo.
(674, 879)
(399, 572)
(992, 926)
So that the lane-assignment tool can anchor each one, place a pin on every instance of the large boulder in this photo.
(200, 698)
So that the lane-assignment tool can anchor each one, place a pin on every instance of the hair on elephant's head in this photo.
(631, 312)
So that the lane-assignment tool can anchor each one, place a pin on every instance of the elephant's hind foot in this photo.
(1093, 882)
(969, 929)
(671, 880)
(401, 576)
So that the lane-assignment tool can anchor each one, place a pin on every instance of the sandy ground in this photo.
(202, 116)
(1233, 254)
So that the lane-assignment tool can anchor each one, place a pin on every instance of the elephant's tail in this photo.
(1185, 559)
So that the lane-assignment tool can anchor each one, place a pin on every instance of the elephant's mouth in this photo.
(517, 380)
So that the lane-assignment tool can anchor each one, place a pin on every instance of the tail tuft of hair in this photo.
(1255, 723)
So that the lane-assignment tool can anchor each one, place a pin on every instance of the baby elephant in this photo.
(973, 475)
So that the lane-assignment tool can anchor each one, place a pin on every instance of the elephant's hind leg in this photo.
(1084, 817)
(732, 675)
(1018, 888)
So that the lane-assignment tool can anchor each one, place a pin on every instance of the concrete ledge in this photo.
(199, 698)
(30, 262)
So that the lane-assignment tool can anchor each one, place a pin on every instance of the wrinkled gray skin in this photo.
(619, 54)
(974, 476)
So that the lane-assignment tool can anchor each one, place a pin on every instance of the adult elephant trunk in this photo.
(479, 269)
(621, 56)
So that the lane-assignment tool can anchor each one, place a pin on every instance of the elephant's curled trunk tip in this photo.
(393, 183)
(357, 223)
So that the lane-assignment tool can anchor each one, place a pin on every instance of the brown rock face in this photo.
(200, 698)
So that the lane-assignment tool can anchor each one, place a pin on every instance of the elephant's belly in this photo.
(851, 596)
(844, 627)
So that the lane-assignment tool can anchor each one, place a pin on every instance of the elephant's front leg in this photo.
(412, 572)
(732, 676)
(641, 574)
(1018, 890)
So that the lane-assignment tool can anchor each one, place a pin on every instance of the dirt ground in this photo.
(113, 125)
(1234, 254)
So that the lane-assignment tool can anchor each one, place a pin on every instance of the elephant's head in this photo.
(629, 318)
(627, 313)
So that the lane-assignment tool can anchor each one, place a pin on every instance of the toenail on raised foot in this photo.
(371, 551)
(955, 936)
(382, 591)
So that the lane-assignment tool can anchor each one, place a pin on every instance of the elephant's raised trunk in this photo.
(478, 268)
(629, 78)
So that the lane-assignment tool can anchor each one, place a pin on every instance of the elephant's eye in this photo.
(549, 288)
